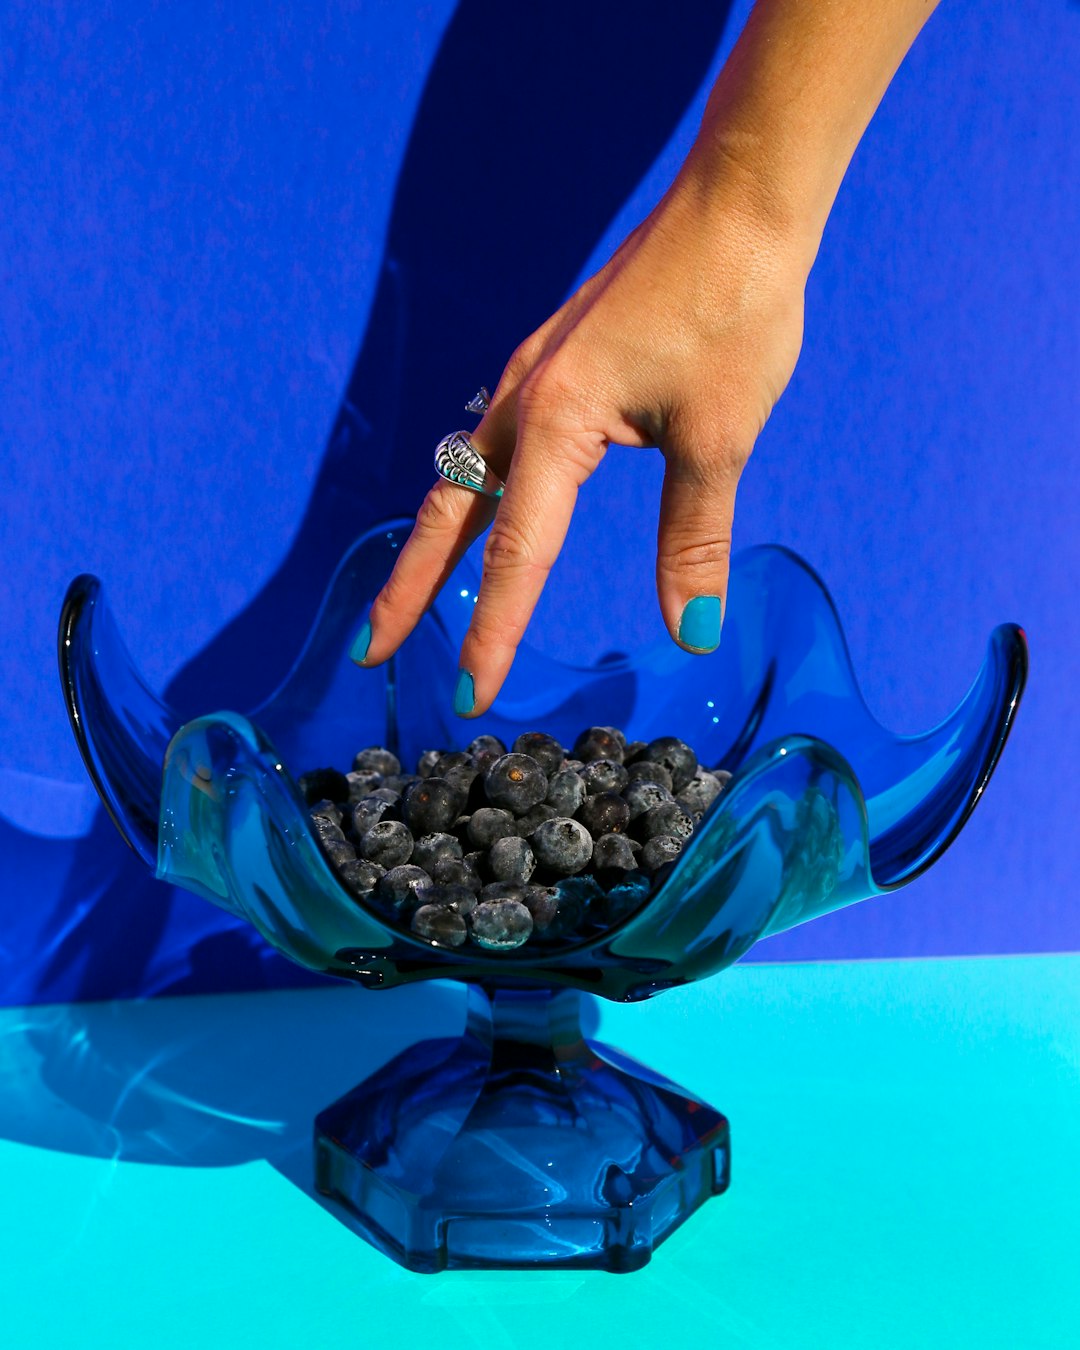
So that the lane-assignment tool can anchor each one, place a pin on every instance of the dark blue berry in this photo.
(634, 751)
(604, 775)
(318, 784)
(546, 750)
(566, 792)
(463, 899)
(666, 819)
(431, 804)
(360, 877)
(486, 745)
(612, 854)
(456, 872)
(403, 889)
(534, 816)
(500, 925)
(699, 794)
(555, 914)
(431, 848)
(398, 782)
(326, 810)
(515, 782)
(440, 925)
(599, 743)
(511, 859)
(561, 845)
(326, 830)
(387, 843)
(425, 765)
(646, 771)
(367, 812)
(604, 813)
(502, 890)
(641, 794)
(628, 894)
(676, 756)
(376, 759)
(360, 784)
(662, 848)
(338, 851)
(490, 823)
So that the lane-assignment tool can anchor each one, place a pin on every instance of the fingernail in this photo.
(360, 643)
(464, 693)
(700, 623)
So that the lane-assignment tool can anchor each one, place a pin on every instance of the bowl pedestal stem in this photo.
(519, 1144)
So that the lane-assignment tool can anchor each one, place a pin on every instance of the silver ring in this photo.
(459, 462)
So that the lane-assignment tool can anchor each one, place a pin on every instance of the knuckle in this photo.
(697, 555)
(440, 510)
(507, 549)
(548, 391)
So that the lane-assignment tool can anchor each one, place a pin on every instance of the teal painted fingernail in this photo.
(464, 693)
(700, 623)
(360, 643)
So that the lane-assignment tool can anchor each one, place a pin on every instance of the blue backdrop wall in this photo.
(231, 239)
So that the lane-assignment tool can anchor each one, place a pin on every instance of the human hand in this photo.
(683, 341)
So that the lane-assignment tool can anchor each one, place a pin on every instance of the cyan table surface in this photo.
(905, 1170)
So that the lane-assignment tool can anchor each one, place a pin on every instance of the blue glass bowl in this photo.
(522, 1142)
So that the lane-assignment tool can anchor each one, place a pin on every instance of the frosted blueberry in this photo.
(662, 848)
(612, 854)
(338, 851)
(431, 848)
(666, 819)
(641, 794)
(502, 890)
(676, 756)
(367, 812)
(460, 898)
(555, 914)
(387, 843)
(515, 782)
(604, 775)
(628, 894)
(359, 877)
(511, 859)
(326, 810)
(566, 791)
(326, 831)
(545, 749)
(376, 759)
(534, 816)
(634, 751)
(360, 784)
(490, 823)
(439, 925)
(486, 745)
(425, 765)
(646, 771)
(561, 845)
(500, 925)
(456, 872)
(402, 889)
(699, 794)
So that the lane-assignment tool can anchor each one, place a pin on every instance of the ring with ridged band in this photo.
(458, 460)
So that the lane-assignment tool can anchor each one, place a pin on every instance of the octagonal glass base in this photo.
(519, 1144)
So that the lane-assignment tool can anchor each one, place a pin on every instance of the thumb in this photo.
(694, 547)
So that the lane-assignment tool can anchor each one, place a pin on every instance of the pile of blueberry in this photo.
(502, 847)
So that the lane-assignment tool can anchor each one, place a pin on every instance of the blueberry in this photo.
(666, 819)
(546, 750)
(440, 925)
(451, 759)
(641, 794)
(367, 812)
(645, 771)
(431, 804)
(338, 851)
(502, 890)
(604, 813)
(326, 831)
(619, 735)
(604, 775)
(612, 854)
(634, 751)
(430, 848)
(599, 743)
(500, 925)
(402, 889)
(360, 877)
(628, 894)
(322, 783)
(326, 810)
(490, 823)
(662, 848)
(460, 830)
(576, 764)
(534, 816)
(511, 859)
(566, 791)
(555, 914)
(425, 765)
(398, 782)
(722, 777)
(457, 768)
(377, 759)
(561, 845)
(387, 843)
(460, 898)
(486, 745)
(360, 784)
(456, 872)
(515, 782)
(676, 756)
(700, 793)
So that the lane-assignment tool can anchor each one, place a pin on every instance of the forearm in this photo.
(792, 103)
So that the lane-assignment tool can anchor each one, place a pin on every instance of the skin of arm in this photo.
(684, 341)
